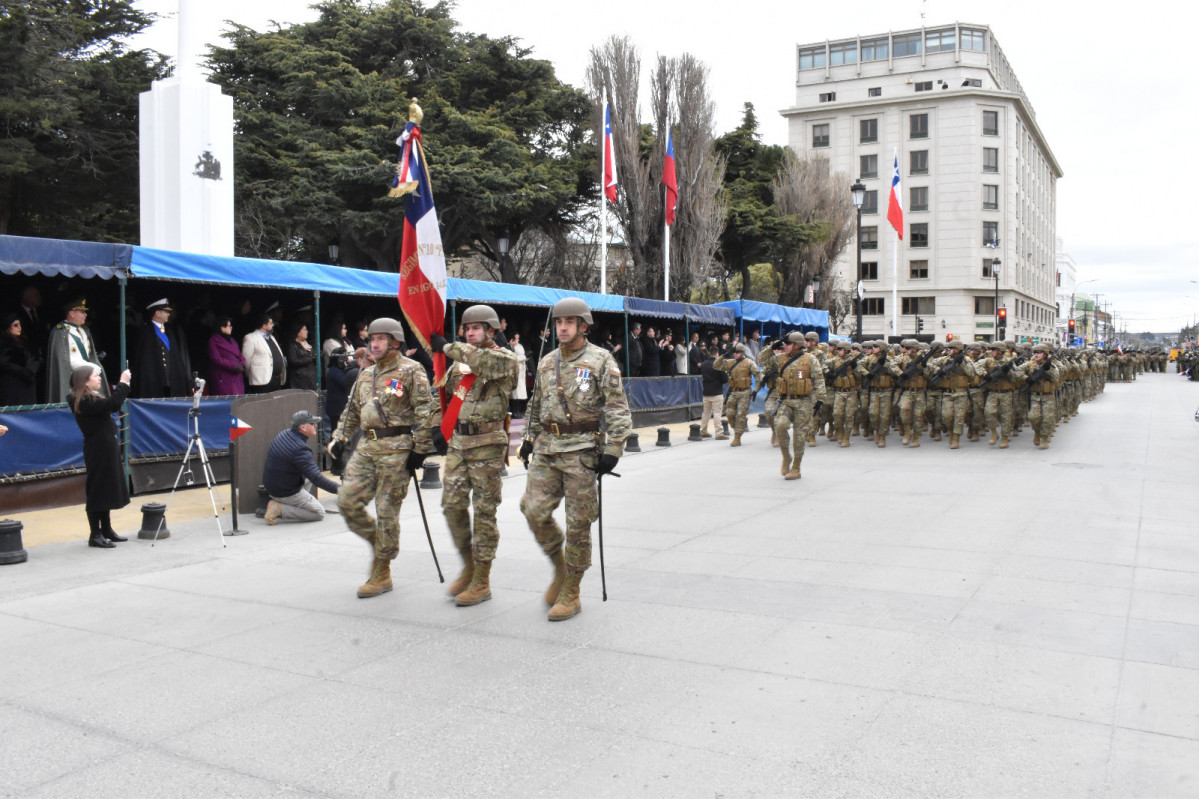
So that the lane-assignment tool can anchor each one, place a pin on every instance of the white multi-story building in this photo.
(978, 179)
(1066, 280)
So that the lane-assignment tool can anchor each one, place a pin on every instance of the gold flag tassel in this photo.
(398, 188)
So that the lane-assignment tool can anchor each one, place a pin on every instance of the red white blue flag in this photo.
(670, 179)
(895, 205)
(422, 260)
(237, 428)
(609, 165)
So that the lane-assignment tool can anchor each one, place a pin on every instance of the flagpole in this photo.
(666, 257)
(895, 264)
(602, 207)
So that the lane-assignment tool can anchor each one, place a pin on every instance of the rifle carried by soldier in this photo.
(1036, 376)
(841, 370)
(997, 373)
(954, 365)
(876, 368)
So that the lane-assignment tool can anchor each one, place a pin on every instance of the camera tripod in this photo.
(196, 443)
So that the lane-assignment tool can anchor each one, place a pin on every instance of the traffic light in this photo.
(949, 337)
(1070, 324)
(1002, 322)
(919, 325)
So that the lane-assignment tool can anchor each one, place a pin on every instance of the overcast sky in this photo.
(1113, 86)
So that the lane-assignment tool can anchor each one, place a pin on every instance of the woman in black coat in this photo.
(18, 365)
(301, 361)
(106, 487)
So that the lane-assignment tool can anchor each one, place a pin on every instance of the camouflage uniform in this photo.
(392, 404)
(769, 364)
(998, 410)
(954, 380)
(976, 413)
(800, 387)
(743, 372)
(577, 411)
(845, 394)
(880, 385)
(478, 447)
(912, 400)
(1042, 413)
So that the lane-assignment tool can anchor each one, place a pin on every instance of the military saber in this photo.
(420, 500)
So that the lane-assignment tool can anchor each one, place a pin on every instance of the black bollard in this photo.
(663, 437)
(12, 550)
(695, 436)
(632, 443)
(762, 420)
(432, 475)
(154, 513)
(725, 424)
(263, 498)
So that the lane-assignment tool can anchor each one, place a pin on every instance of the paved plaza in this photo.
(898, 623)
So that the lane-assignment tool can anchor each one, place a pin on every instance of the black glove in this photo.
(335, 449)
(526, 452)
(606, 464)
(437, 342)
(816, 408)
(415, 460)
(439, 445)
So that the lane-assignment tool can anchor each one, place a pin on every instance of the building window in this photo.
(820, 135)
(990, 159)
(973, 39)
(869, 166)
(869, 271)
(870, 238)
(918, 234)
(924, 86)
(907, 44)
(870, 203)
(828, 97)
(925, 306)
(918, 126)
(918, 200)
(975, 82)
(873, 306)
(811, 58)
(990, 198)
(874, 49)
(984, 306)
(938, 41)
(918, 162)
(990, 234)
(918, 270)
(990, 123)
(989, 268)
(874, 91)
(843, 53)
(867, 130)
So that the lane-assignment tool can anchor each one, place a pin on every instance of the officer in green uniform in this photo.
(577, 422)
(480, 381)
(743, 372)
(393, 405)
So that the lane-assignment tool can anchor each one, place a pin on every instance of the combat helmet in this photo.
(794, 337)
(385, 324)
(484, 314)
(572, 306)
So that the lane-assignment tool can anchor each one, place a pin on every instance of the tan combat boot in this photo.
(882, 439)
(774, 438)
(379, 582)
(845, 438)
(480, 586)
(468, 571)
(793, 474)
(568, 604)
(1036, 439)
(736, 442)
(953, 440)
(785, 450)
(810, 440)
(551, 593)
(1005, 442)
(994, 436)
(273, 512)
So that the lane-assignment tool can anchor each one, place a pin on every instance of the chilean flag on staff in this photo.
(895, 205)
(609, 157)
(670, 179)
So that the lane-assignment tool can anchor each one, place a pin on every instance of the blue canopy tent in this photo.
(784, 317)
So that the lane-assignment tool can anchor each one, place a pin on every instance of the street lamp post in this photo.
(858, 192)
(501, 243)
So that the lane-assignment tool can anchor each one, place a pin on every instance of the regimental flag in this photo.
(895, 205)
(237, 428)
(670, 179)
(609, 164)
(422, 260)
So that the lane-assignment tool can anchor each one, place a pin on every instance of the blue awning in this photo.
(53, 257)
(460, 290)
(711, 315)
(655, 309)
(259, 272)
(761, 312)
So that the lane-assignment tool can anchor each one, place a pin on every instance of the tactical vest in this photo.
(796, 380)
(740, 376)
(883, 380)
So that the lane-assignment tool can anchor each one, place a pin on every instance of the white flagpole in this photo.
(895, 265)
(603, 209)
(666, 259)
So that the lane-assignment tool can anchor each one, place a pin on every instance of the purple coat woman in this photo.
(226, 363)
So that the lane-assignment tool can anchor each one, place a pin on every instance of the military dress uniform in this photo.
(474, 462)
(395, 408)
(69, 347)
(577, 413)
(743, 372)
(800, 386)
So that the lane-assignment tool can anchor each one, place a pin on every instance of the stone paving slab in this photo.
(900, 623)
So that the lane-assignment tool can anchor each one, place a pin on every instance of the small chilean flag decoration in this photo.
(237, 428)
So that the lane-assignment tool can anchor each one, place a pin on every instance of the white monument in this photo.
(186, 154)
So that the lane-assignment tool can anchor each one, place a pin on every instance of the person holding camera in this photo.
(289, 471)
(105, 487)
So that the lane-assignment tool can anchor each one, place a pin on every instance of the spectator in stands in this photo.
(651, 361)
(105, 487)
(520, 394)
(160, 357)
(681, 358)
(666, 353)
(301, 359)
(754, 343)
(291, 470)
(695, 354)
(635, 351)
(266, 366)
(336, 337)
(361, 339)
(19, 364)
(226, 366)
